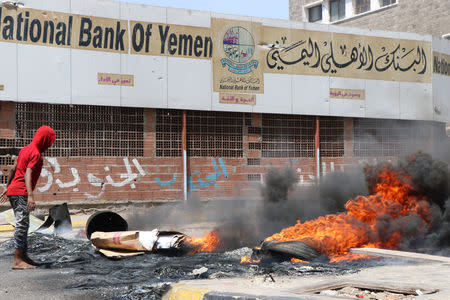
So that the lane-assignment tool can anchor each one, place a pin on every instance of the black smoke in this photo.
(282, 202)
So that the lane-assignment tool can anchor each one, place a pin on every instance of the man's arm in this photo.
(28, 183)
(11, 174)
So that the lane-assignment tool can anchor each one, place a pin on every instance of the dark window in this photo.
(337, 10)
(287, 136)
(362, 6)
(215, 134)
(315, 13)
(388, 2)
(168, 132)
(83, 130)
(377, 137)
(331, 136)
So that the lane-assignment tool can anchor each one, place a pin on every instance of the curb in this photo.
(181, 292)
(10, 228)
(6, 228)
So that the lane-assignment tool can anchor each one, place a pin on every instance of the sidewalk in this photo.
(422, 280)
(78, 222)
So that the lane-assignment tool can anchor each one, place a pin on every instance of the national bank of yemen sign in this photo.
(237, 62)
(239, 48)
(241, 51)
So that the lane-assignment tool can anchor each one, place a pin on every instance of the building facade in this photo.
(154, 103)
(418, 16)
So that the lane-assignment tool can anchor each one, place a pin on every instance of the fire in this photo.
(366, 222)
(208, 243)
(296, 260)
(249, 260)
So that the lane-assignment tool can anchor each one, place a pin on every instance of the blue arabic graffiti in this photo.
(200, 183)
(167, 183)
(210, 179)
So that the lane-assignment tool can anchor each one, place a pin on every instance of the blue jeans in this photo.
(22, 215)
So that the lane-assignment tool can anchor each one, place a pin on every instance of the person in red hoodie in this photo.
(22, 180)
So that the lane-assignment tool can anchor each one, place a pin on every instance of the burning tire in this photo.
(291, 249)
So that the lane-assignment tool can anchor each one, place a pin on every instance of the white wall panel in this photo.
(97, 8)
(85, 67)
(382, 99)
(347, 107)
(231, 17)
(272, 22)
(277, 97)
(441, 98)
(310, 95)
(189, 83)
(416, 101)
(188, 17)
(44, 74)
(52, 5)
(441, 85)
(8, 71)
(144, 13)
(150, 81)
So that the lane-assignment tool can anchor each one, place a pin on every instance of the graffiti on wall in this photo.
(133, 170)
(210, 179)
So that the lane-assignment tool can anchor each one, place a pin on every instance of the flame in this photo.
(296, 260)
(365, 222)
(208, 243)
(249, 260)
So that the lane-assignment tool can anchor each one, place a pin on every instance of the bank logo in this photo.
(239, 48)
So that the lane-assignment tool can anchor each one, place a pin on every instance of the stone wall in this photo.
(418, 16)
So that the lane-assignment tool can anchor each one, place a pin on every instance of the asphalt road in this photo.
(40, 283)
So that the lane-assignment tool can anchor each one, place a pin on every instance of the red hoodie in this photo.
(30, 157)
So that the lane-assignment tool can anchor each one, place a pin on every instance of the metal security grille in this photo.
(168, 132)
(254, 161)
(287, 136)
(83, 130)
(253, 177)
(331, 136)
(377, 137)
(216, 134)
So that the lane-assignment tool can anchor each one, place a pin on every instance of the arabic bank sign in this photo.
(241, 51)
(344, 55)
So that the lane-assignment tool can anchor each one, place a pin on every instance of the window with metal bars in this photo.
(215, 134)
(83, 130)
(168, 132)
(331, 136)
(287, 136)
(378, 137)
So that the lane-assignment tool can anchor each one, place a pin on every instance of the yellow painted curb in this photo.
(9, 228)
(6, 228)
(183, 292)
(79, 224)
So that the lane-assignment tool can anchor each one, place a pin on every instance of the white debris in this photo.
(199, 271)
(148, 238)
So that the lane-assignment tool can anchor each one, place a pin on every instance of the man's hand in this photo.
(31, 205)
(3, 197)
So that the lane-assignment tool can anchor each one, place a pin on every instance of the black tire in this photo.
(291, 249)
(105, 221)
